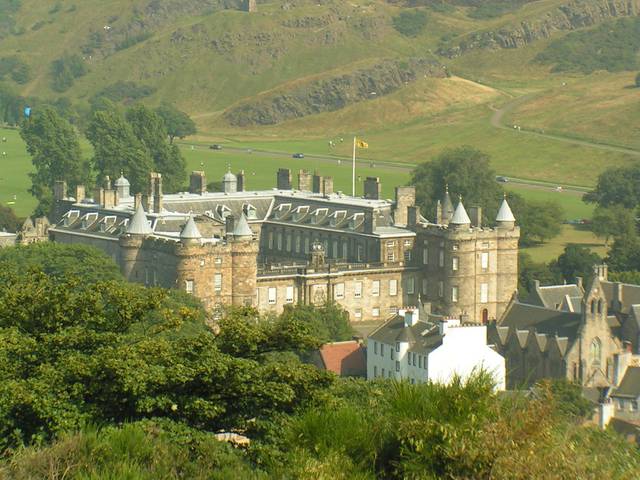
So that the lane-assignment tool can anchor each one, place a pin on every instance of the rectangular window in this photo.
(382, 373)
(382, 349)
(358, 313)
(393, 287)
(306, 244)
(217, 282)
(407, 256)
(279, 240)
(454, 264)
(272, 295)
(397, 346)
(359, 253)
(339, 291)
(375, 371)
(218, 260)
(270, 237)
(425, 286)
(484, 292)
(419, 361)
(414, 360)
(391, 244)
(391, 353)
(441, 258)
(391, 255)
(484, 260)
(334, 249)
(188, 286)
(288, 242)
(389, 374)
(357, 291)
(289, 294)
(410, 286)
(441, 289)
(297, 243)
(375, 288)
(409, 355)
(345, 250)
(375, 347)
(397, 366)
(375, 312)
(425, 256)
(454, 294)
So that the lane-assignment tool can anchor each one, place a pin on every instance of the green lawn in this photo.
(570, 234)
(14, 174)
(572, 204)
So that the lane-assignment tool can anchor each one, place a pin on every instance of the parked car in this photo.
(502, 179)
(298, 155)
(215, 146)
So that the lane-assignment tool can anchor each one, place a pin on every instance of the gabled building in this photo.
(431, 350)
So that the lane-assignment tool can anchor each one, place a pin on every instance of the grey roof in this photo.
(422, 337)
(460, 216)
(630, 384)
(122, 182)
(630, 294)
(542, 320)
(190, 230)
(505, 214)
(229, 177)
(241, 228)
(447, 204)
(553, 296)
(138, 225)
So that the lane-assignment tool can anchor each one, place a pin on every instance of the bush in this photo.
(65, 70)
(410, 23)
(638, 80)
(131, 40)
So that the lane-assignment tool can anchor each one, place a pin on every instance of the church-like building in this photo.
(307, 245)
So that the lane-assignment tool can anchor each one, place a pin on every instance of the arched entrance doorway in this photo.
(485, 316)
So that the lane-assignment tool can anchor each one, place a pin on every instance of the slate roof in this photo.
(190, 230)
(460, 216)
(346, 359)
(553, 296)
(505, 214)
(630, 294)
(241, 228)
(422, 337)
(543, 320)
(630, 385)
(138, 225)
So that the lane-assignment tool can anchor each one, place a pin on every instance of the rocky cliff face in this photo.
(332, 93)
(570, 16)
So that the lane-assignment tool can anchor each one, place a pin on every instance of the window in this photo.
(217, 282)
(382, 349)
(375, 288)
(407, 256)
(345, 250)
(146, 276)
(397, 346)
(414, 359)
(409, 355)
(484, 260)
(410, 286)
(218, 261)
(419, 361)
(454, 294)
(339, 291)
(188, 286)
(441, 258)
(289, 242)
(289, 294)
(441, 288)
(382, 373)
(359, 253)
(279, 240)
(297, 243)
(397, 366)
(454, 247)
(407, 243)
(391, 244)
(389, 374)
(271, 295)
(391, 255)
(375, 348)
(391, 353)
(425, 256)
(596, 351)
(484, 292)
(393, 287)
(634, 405)
(306, 244)
(375, 371)
(454, 264)
(334, 249)
(425, 286)
(375, 312)
(358, 313)
(357, 291)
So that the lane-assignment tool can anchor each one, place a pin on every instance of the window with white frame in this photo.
(188, 286)
(484, 260)
(359, 251)
(391, 255)
(411, 286)
(288, 242)
(358, 313)
(393, 287)
(289, 294)
(441, 258)
(454, 293)
(425, 286)
(270, 237)
(375, 288)
(375, 312)
(272, 295)
(484, 292)
(297, 243)
(357, 290)
(306, 244)
(441, 288)
(217, 282)
(339, 291)
(454, 264)
(425, 256)
(345, 250)
(279, 240)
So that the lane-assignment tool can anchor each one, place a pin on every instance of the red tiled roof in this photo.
(346, 359)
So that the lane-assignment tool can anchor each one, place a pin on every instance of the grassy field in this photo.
(570, 234)
(14, 174)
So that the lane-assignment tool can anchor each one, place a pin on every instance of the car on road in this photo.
(216, 146)
(298, 155)
(502, 179)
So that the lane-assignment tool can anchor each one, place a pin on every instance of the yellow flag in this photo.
(362, 144)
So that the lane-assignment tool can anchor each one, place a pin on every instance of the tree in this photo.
(530, 271)
(575, 261)
(178, 123)
(617, 186)
(55, 153)
(150, 129)
(466, 171)
(539, 221)
(638, 80)
(624, 254)
(329, 323)
(615, 220)
(8, 220)
(117, 149)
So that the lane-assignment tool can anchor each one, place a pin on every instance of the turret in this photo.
(445, 208)
(460, 218)
(505, 218)
(131, 242)
(230, 182)
(122, 188)
(190, 233)
(244, 263)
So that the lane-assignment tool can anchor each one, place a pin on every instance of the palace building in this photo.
(307, 245)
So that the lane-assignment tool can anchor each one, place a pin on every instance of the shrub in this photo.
(410, 23)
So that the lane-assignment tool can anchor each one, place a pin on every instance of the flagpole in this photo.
(353, 170)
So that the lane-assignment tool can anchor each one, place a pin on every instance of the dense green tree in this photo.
(11, 105)
(150, 129)
(575, 261)
(638, 80)
(530, 271)
(65, 70)
(329, 323)
(613, 221)
(617, 186)
(539, 221)
(569, 398)
(467, 173)
(117, 149)
(55, 153)
(624, 254)
(178, 123)
(8, 220)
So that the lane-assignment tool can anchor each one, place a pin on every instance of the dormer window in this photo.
(88, 220)
(356, 220)
(337, 217)
(318, 215)
(300, 212)
(250, 211)
(282, 210)
(223, 211)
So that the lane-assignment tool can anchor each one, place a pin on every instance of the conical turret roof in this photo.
(242, 227)
(190, 230)
(460, 216)
(138, 224)
(505, 214)
(447, 204)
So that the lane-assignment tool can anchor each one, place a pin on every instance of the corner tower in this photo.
(244, 263)
(508, 235)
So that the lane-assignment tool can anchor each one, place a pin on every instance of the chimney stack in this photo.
(305, 181)
(327, 186)
(80, 193)
(372, 188)
(475, 212)
(284, 179)
(241, 180)
(197, 182)
(317, 183)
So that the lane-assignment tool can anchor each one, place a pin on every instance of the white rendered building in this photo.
(408, 348)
